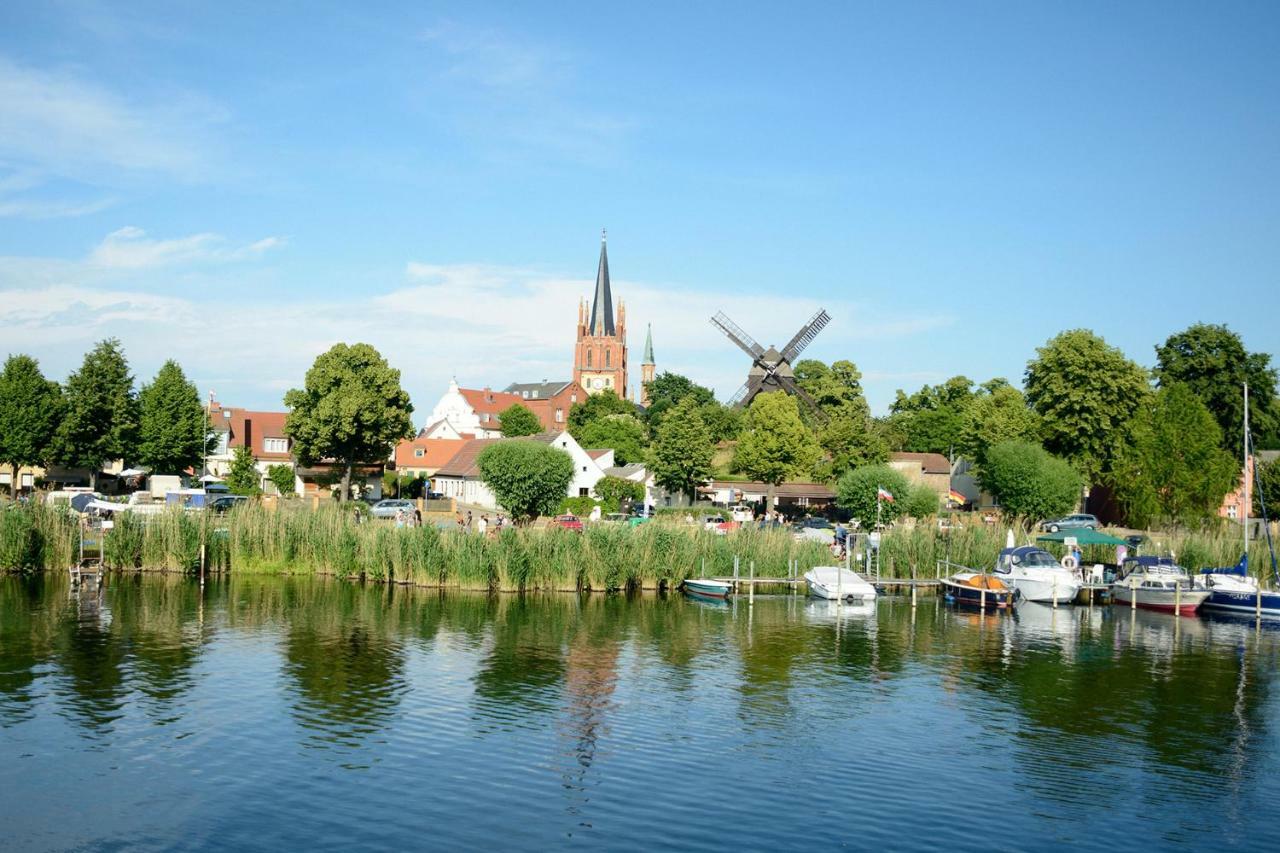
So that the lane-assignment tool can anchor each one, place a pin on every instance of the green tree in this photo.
(856, 493)
(594, 408)
(623, 434)
(1211, 360)
(612, 491)
(282, 478)
(850, 438)
(1266, 488)
(931, 419)
(100, 419)
(680, 457)
(667, 391)
(775, 444)
(723, 422)
(1085, 391)
(921, 502)
(352, 410)
(994, 415)
(517, 420)
(243, 478)
(1028, 482)
(30, 409)
(1175, 468)
(172, 428)
(527, 478)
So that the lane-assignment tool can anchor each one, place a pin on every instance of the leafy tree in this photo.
(856, 493)
(527, 478)
(1175, 467)
(680, 457)
(723, 422)
(30, 409)
(667, 391)
(1086, 391)
(623, 434)
(922, 502)
(517, 420)
(997, 413)
(775, 444)
(1266, 487)
(352, 410)
(931, 419)
(243, 478)
(594, 408)
(281, 476)
(830, 387)
(101, 413)
(172, 428)
(1028, 482)
(850, 438)
(612, 491)
(1211, 360)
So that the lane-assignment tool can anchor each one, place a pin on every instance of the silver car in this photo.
(388, 508)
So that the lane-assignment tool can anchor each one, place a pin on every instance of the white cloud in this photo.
(487, 325)
(129, 248)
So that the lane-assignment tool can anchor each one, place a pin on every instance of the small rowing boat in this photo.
(976, 589)
(707, 588)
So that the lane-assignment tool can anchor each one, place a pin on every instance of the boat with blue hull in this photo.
(1234, 590)
(975, 589)
(703, 588)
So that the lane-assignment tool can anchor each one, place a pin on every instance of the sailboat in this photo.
(1233, 589)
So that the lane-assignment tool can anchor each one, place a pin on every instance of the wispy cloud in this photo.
(130, 248)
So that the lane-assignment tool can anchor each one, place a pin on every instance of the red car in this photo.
(569, 522)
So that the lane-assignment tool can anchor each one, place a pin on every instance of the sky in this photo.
(239, 186)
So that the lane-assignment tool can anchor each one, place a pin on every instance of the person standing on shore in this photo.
(482, 524)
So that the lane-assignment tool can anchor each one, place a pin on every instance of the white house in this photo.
(460, 477)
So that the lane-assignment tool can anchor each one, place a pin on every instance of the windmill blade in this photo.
(807, 333)
(789, 384)
(747, 392)
(734, 333)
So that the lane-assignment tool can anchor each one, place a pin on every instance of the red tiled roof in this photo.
(488, 401)
(436, 452)
(596, 454)
(930, 463)
(256, 427)
(463, 463)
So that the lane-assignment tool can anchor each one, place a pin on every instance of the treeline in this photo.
(1166, 441)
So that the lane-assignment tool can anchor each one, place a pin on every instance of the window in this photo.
(525, 394)
(607, 357)
(582, 493)
(485, 417)
(275, 445)
(559, 415)
(588, 358)
(418, 453)
(584, 469)
(573, 398)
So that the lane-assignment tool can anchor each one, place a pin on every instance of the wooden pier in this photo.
(87, 572)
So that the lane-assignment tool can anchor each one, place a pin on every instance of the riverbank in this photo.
(297, 540)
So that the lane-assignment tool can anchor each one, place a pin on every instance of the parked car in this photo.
(389, 507)
(1070, 522)
(813, 524)
(224, 503)
(616, 518)
(568, 522)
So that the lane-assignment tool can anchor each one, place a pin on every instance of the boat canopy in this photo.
(1241, 569)
(1028, 555)
(1083, 536)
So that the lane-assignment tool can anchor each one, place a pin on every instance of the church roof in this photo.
(536, 390)
(648, 346)
(602, 304)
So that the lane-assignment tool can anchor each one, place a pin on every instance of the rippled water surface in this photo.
(272, 714)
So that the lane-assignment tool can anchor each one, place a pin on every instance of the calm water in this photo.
(274, 714)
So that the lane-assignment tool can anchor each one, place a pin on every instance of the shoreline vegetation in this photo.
(294, 540)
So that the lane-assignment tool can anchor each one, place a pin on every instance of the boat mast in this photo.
(1245, 514)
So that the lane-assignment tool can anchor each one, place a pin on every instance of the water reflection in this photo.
(1071, 707)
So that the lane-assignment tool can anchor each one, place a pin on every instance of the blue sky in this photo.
(239, 187)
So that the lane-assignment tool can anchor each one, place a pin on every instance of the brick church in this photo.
(600, 355)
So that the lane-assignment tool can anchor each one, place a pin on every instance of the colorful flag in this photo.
(882, 494)
(956, 497)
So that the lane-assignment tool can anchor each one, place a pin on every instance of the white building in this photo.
(460, 477)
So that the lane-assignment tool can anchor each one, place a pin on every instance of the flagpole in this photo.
(878, 493)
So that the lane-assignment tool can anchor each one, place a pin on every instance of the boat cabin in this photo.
(1028, 556)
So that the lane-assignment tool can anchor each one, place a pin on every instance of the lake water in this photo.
(275, 714)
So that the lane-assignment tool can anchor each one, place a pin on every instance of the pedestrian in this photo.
(470, 522)
(417, 518)
(482, 525)
(400, 518)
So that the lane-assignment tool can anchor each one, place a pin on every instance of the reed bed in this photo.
(293, 539)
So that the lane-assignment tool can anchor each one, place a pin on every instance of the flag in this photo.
(956, 497)
(882, 494)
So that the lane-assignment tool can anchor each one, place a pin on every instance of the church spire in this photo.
(648, 345)
(602, 304)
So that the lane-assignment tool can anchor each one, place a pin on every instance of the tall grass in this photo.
(257, 539)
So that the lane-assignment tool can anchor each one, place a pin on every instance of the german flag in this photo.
(956, 498)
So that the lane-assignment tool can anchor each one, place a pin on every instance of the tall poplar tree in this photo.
(680, 457)
(172, 428)
(774, 443)
(100, 422)
(30, 408)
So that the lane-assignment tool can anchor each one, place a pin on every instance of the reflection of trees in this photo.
(345, 664)
(27, 626)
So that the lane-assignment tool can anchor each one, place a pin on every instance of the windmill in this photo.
(771, 369)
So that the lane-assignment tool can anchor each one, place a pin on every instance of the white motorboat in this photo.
(838, 583)
(1037, 575)
(1156, 583)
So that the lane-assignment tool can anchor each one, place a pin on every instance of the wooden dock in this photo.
(86, 572)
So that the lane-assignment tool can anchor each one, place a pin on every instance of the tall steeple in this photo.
(647, 367)
(648, 345)
(602, 304)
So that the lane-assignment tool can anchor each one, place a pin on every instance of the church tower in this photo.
(600, 356)
(647, 367)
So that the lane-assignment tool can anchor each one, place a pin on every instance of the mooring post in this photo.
(913, 596)
(1054, 592)
(735, 573)
(982, 600)
(1133, 594)
(751, 583)
(703, 572)
(1177, 598)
